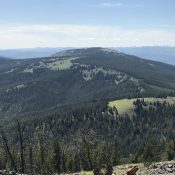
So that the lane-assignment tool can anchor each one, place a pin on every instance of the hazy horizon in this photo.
(72, 47)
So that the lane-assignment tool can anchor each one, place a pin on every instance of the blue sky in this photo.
(106, 23)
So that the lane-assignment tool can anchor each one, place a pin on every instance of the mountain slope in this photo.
(79, 76)
(66, 96)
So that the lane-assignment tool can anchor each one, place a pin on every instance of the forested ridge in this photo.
(91, 135)
(79, 76)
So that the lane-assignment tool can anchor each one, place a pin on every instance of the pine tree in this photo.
(77, 162)
(170, 150)
(57, 156)
(115, 154)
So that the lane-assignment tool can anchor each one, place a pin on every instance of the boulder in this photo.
(132, 170)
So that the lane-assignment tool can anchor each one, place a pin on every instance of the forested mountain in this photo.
(65, 97)
(78, 76)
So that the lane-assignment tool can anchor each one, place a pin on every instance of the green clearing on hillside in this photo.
(127, 106)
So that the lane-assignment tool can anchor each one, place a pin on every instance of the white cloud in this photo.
(25, 36)
(118, 4)
(108, 4)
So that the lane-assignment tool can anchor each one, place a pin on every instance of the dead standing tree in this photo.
(7, 149)
(86, 149)
(20, 130)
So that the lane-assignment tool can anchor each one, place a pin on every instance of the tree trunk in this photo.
(21, 139)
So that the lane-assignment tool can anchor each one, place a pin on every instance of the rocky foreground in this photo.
(123, 169)
(167, 168)
(159, 168)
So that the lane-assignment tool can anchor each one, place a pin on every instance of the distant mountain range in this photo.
(30, 52)
(162, 54)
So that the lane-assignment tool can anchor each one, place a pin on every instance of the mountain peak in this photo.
(85, 51)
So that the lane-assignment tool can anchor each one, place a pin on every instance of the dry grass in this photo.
(122, 169)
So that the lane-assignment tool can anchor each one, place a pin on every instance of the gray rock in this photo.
(161, 171)
(162, 168)
(169, 170)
